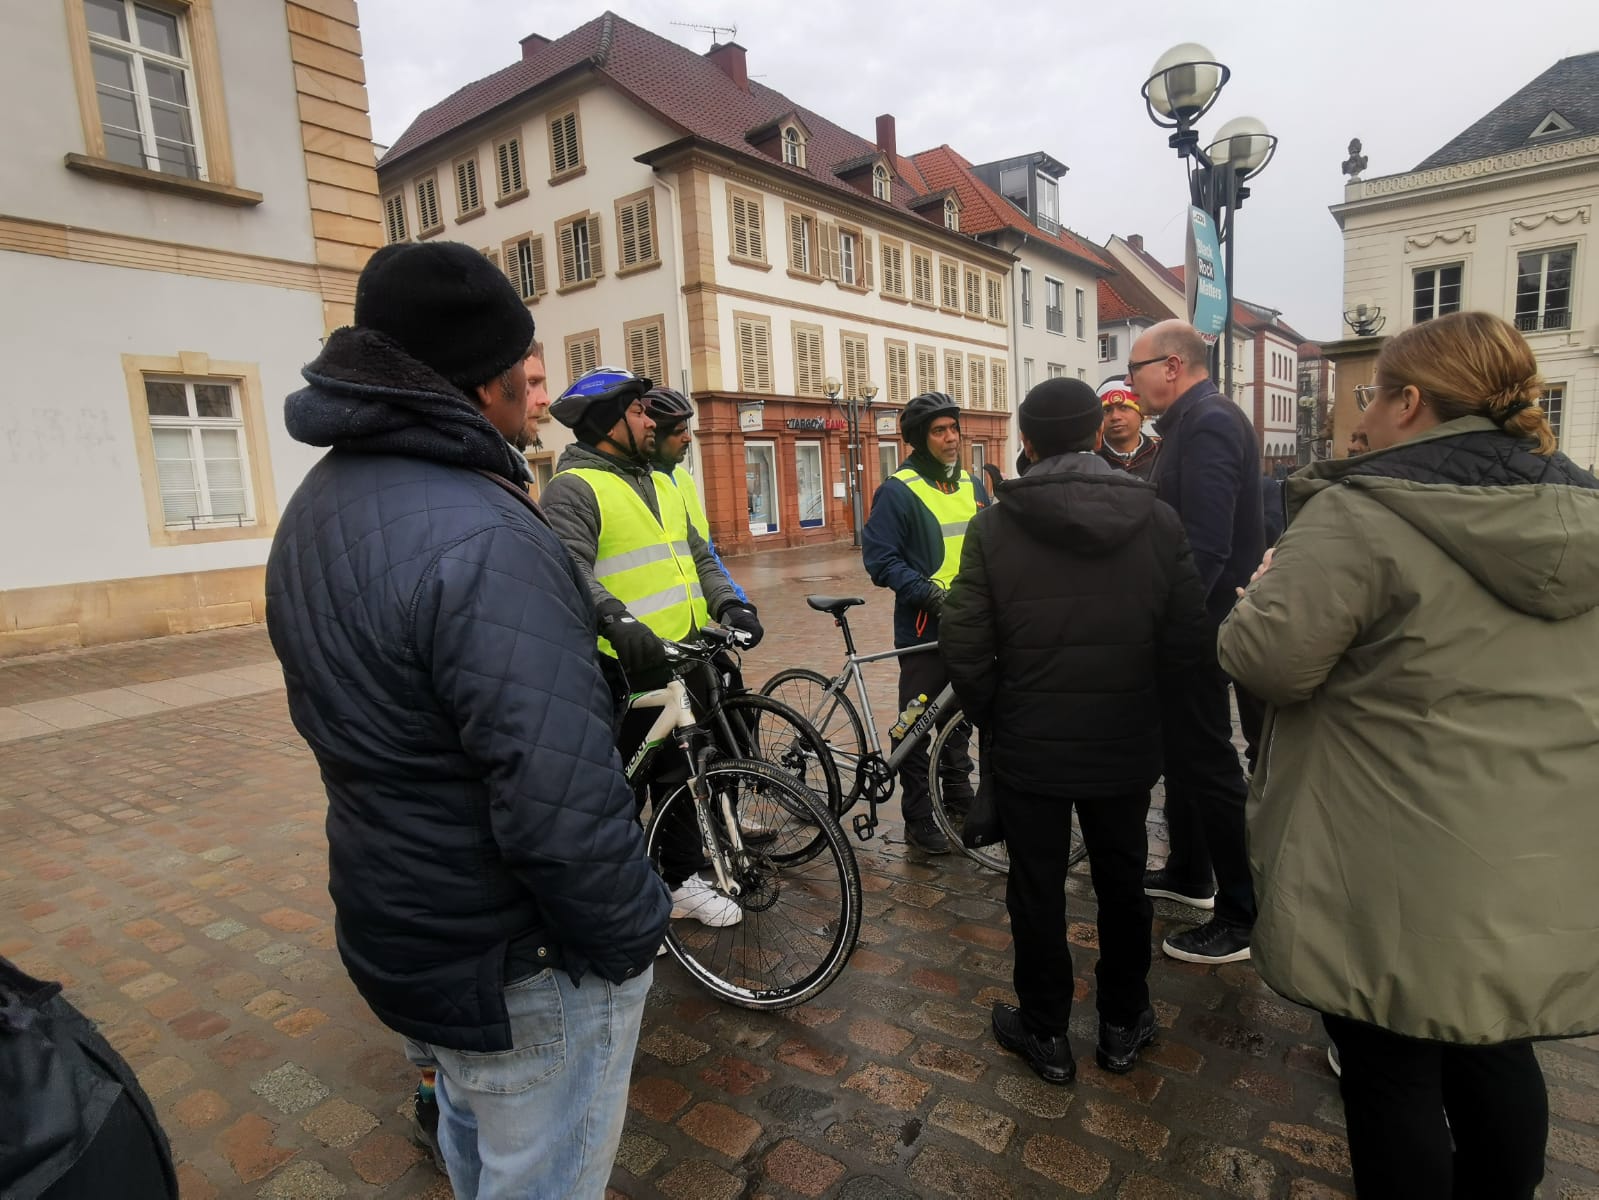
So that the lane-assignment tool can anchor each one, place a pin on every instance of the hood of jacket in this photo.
(1525, 526)
(580, 455)
(368, 396)
(1079, 500)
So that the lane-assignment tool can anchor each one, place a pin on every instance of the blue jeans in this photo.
(544, 1118)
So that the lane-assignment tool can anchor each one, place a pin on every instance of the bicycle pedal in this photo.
(864, 827)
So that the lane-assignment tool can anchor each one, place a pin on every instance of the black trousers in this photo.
(1205, 792)
(1397, 1093)
(922, 673)
(1038, 837)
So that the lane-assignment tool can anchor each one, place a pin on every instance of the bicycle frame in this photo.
(865, 824)
(677, 716)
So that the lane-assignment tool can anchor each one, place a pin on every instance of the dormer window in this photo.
(880, 182)
(952, 214)
(793, 146)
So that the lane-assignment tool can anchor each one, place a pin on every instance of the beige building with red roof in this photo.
(658, 209)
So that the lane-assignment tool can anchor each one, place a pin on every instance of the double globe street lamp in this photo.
(1182, 87)
(853, 409)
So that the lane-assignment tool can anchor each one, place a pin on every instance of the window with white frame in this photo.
(524, 264)
(144, 83)
(1082, 314)
(1057, 370)
(881, 185)
(793, 146)
(1107, 347)
(581, 258)
(1543, 288)
(952, 215)
(1048, 203)
(1054, 305)
(847, 258)
(1553, 404)
(1027, 297)
(202, 469)
(802, 243)
(1027, 376)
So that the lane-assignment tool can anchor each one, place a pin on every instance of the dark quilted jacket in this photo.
(439, 656)
(1076, 593)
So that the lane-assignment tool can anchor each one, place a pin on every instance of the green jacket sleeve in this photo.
(1296, 621)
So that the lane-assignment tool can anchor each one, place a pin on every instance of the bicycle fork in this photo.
(704, 818)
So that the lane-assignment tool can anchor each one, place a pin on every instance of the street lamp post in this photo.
(853, 408)
(1181, 88)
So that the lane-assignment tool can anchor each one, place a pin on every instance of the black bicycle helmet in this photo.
(923, 411)
(667, 406)
(596, 401)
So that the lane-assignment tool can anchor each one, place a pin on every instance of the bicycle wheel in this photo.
(833, 716)
(799, 891)
(772, 732)
(957, 753)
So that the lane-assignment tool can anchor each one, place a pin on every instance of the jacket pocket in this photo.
(538, 1037)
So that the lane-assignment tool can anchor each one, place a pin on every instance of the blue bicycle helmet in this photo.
(596, 401)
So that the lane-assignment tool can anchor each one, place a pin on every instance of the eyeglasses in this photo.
(1366, 393)
(1144, 362)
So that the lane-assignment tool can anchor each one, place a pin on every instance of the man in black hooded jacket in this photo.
(1076, 593)
(438, 648)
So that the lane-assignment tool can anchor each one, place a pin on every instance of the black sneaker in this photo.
(1050, 1057)
(1162, 885)
(1216, 941)
(924, 834)
(425, 1127)
(1119, 1044)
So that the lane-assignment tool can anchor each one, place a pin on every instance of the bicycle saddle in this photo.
(833, 604)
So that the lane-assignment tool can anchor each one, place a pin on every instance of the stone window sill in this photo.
(160, 181)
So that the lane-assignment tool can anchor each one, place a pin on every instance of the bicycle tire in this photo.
(834, 717)
(770, 731)
(950, 819)
(723, 960)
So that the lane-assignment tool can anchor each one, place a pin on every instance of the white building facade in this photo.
(187, 198)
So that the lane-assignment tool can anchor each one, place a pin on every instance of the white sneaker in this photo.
(698, 899)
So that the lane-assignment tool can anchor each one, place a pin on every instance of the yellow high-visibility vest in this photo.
(644, 562)
(685, 486)
(952, 510)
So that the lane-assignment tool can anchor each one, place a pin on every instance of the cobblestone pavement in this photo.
(169, 865)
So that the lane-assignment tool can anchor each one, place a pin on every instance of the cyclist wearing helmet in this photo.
(672, 412)
(650, 573)
(912, 544)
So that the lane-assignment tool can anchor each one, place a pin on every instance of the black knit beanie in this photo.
(1059, 415)
(448, 307)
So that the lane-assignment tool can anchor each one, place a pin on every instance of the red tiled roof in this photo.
(984, 210)
(684, 89)
(1123, 298)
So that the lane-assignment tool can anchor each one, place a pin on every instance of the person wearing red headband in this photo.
(1126, 446)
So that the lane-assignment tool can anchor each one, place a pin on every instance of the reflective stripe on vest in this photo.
(952, 510)
(645, 563)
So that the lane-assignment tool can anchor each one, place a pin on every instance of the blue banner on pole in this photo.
(1204, 276)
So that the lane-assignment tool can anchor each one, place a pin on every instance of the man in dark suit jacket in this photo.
(1209, 471)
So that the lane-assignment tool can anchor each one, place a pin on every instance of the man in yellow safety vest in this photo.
(651, 575)
(672, 412)
(912, 544)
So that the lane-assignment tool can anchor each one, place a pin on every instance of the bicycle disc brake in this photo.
(758, 886)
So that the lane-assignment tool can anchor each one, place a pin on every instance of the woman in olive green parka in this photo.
(1424, 822)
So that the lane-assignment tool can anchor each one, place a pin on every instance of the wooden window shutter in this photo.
(513, 266)
(949, 286)
(808, 361)
(854, 348)
(996, 299)
(798, 256)
(568, 237)
(893, 270)
(566, 154)
(922, 271)
(953, 381)
(974, 293)
(976, 374)
(866, 261)
(898, 373)
(535, 255)
(627, 240)
(596, 258)
(394, 217)
(926, 370)
(999, 391)
(508, 166)
(427, 203)
(755, 229)
(831, 256)
(574, 360)
(644, 352)
(741, 226)
(467, 198)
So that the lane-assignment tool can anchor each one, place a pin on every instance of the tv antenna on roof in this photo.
(715, 31)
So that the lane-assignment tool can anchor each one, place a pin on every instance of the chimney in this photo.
(730, 59)
(533, 43)
(1136, 241)
(885, 136)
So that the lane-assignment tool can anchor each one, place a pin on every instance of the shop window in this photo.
(808, 476)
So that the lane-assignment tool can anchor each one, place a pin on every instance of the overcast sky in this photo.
(1404, 76)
